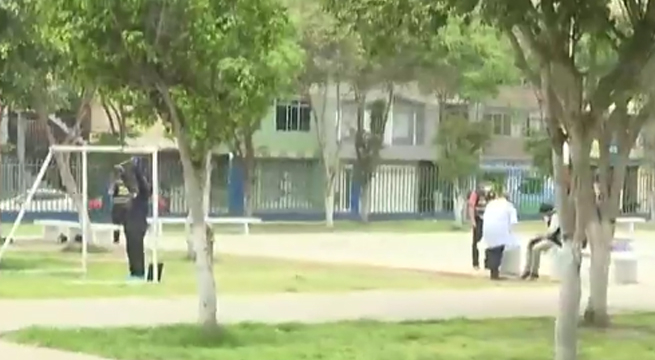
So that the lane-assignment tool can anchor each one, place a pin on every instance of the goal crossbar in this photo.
(105, 149)
(84, 150)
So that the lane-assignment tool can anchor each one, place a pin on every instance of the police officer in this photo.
(121, 198)
(477, 203)
(136, 223)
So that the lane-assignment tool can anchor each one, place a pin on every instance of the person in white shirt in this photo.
(543, 242)
(499, 218)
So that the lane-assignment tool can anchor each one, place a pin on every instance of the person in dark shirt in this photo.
(477, 203)
(136, 222)
(121, 199)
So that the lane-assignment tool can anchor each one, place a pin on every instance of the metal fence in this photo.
(294, 188)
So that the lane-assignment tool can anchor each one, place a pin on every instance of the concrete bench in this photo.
(53, 229)
(511, 262)
(623, 261)
(630, 222)
(244, 221)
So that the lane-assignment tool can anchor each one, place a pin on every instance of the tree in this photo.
(203, 65)
(330, 55)
(466, 61)
(388, 34)
(584, 102)
(34, 75)
(459, 145)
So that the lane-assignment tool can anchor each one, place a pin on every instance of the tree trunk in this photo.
(566, 322)
(190, 251)
(68, 180)
(202, 247)
(248, 174)
(71, 186)
(206, 198)
(364, 201)
(329, 196)
(601, 229)
(194, 181)
(596, 311)
(458, 203)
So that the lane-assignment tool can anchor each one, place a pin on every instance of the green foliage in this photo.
(204, 65)
(540, 149)
(32, 57)
(331, 51)
(459, 144)
(468, 60)
(389, 34)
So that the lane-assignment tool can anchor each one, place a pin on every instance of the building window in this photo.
(533, 125)
(348, 123)
(293, 115)
(407, 123)
(501, 123)
(456, 111)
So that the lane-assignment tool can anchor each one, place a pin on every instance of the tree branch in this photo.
(633, 11)
(634, 55)
(521, 60)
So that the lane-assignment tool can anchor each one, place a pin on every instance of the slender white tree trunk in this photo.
(71, 186)
(190, 251)
(458, 204)
(206, 199)
(194, 180)
(194, 184)
(566, 323)
(329, 197)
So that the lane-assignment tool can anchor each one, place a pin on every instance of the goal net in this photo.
(81, 232)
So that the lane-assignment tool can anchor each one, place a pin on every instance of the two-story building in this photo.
(290, 175)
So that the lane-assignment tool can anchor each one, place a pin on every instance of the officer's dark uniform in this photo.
(121, 198)
(481, 200)
(136, 223)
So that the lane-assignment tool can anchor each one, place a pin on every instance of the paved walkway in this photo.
(308, 308)
(442, 252)
(447, 252)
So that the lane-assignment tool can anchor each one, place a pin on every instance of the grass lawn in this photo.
(24, 230)
(400, 226)
(513, 339)
(107, 272)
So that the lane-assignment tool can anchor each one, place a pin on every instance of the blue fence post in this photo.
(235, 192)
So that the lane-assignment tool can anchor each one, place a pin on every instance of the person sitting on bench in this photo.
(542, 242)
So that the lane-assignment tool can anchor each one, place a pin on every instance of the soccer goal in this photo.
(85, 222)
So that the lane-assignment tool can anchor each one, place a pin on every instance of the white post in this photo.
(155, 215)
(84, 211)
(20, 147)
(23, 208)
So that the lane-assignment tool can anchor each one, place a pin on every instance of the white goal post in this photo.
(84, 226)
